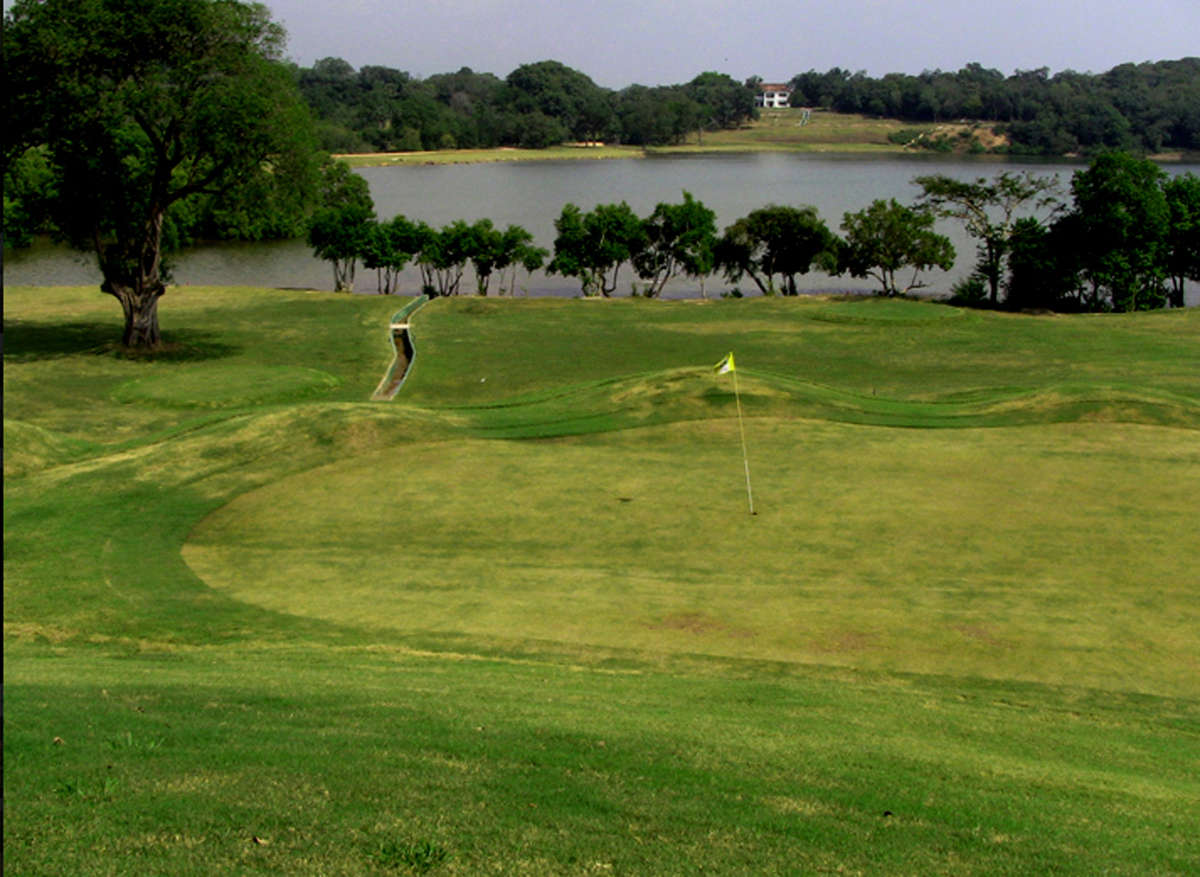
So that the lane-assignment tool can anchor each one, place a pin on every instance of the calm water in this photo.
(532, 194)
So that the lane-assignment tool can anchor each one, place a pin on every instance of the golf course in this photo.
(519, 618)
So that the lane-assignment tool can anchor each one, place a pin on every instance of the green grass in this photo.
(519, 621)
(777, 130)
(774, 131)
(477, 156)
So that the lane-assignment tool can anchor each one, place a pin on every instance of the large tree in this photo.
(887, 238)
(341, 231)
(988, 210)
(593, 246)
(1043, 265)
(144, 105)
(680, 239)
(1123, 220)
(1183, 236)
(582, 108)
(494, 251)
(726, 102)
(777, 241)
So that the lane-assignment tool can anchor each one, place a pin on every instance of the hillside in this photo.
(774, 130)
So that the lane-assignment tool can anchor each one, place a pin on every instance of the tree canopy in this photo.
(679, 239)
(340, 230)
(537, 105)
(1129, 230)
(594, 245)
(144, 107)
(1183, 234)
(1122, 218)
(1151, 106)
(775, 240)
(988, 210)
(886, 238)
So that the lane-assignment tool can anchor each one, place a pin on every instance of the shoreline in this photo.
(777, 131)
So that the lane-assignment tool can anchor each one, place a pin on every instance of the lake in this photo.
(532, 194)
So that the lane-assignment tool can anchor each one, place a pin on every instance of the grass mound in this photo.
(227, 386)
(28, 447)
(891, 312)
(676, 395)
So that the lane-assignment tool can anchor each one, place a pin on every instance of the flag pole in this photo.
(742, 430)
(727, 365)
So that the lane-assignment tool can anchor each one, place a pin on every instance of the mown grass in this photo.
(519, 621)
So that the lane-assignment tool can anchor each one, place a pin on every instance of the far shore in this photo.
(774, 131)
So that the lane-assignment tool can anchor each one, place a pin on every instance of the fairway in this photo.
(519, 620)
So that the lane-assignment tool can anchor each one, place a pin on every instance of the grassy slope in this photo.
(255, 623)
(775, 130)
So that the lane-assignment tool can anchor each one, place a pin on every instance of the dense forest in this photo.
(537, 105)
(1149, 107)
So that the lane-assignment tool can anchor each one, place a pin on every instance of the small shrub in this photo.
(908, 136)
(922, 138)
(971, 291)
(418, 857)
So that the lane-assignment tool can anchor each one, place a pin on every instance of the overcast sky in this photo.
(655, 42)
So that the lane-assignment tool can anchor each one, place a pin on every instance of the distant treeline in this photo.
(1150, 107)
(537, 105)
(1137, 107)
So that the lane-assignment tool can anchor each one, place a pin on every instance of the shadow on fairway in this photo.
(31, 341)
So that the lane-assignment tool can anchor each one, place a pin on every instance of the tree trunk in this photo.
(992, 265)
(141, 315)
(343, 274)
(1176, 297)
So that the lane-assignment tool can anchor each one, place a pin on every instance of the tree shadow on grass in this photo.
(33, 341)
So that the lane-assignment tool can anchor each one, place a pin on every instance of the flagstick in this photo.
(742, 429)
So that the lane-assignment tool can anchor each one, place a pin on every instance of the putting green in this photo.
(884, 311)
(641, 540)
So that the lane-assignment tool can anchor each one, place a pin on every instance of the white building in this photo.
(773, 95)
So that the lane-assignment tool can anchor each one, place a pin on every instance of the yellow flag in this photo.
(725, 365)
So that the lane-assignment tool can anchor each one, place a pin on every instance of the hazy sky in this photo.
(654, 42)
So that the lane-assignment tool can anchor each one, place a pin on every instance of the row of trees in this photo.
(772, 246)
(1129, 240)
(1150, 106)
(345, 231)
(536, 105)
